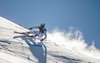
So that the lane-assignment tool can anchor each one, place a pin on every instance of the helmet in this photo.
(42, 25)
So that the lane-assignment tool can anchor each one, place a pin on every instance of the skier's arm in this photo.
(34, 27)
(45, 36)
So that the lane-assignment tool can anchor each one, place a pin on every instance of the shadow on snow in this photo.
(40, 52)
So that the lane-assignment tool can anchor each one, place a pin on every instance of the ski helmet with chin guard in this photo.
(42, 25)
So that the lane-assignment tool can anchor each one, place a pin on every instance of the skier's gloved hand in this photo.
(30, 28)
(41, 40)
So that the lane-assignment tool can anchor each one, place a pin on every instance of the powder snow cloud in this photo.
(73, 40)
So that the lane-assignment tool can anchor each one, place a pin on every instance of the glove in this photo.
(41, 40)
(30, 28)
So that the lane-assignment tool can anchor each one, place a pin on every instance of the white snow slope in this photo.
(60, 47)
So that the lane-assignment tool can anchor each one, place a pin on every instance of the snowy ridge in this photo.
(60, 47)
(10, 25)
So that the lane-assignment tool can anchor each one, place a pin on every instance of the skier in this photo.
(42, 33)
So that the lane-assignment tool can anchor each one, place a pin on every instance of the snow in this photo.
(73, 41)
(11, 59)
(10, 25)
(60, 47)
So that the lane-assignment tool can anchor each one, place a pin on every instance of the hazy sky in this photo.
(81, 14)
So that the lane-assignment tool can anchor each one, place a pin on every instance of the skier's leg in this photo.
(36, 33)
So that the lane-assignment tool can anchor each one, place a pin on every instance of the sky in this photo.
(83, 15)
